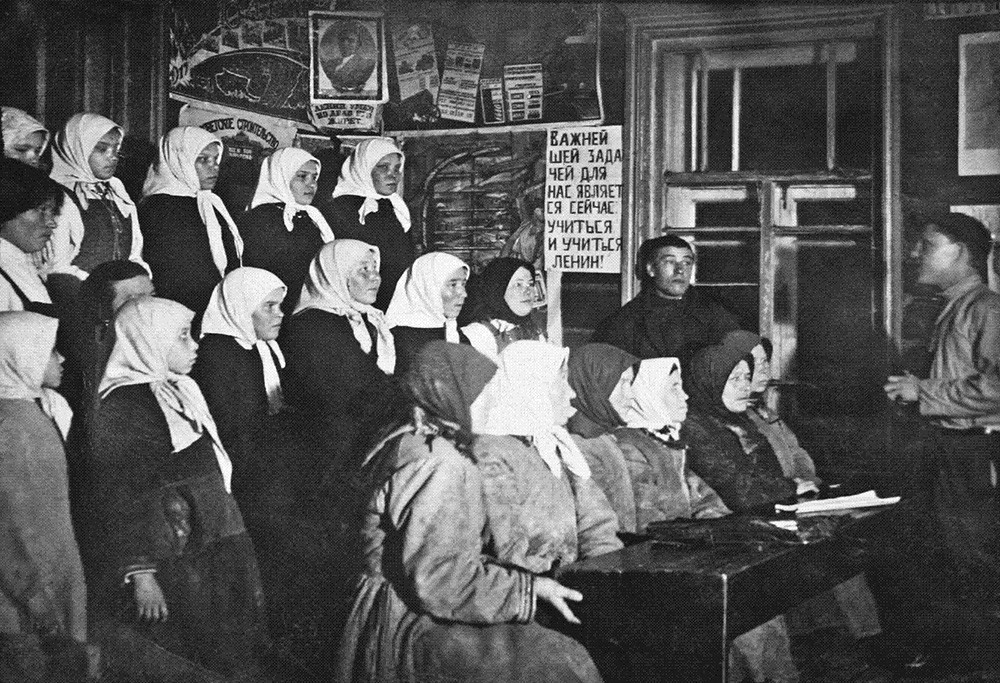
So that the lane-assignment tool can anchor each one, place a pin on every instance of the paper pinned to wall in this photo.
(416, 61)
(523, 85)
(460, 83)
(583, 189)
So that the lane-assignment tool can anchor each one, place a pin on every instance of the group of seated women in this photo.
(486, 457)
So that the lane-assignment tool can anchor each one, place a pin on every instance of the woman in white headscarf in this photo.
(282, 230)
(174, 550)
(544, 507)
(339, 347)
(24, 137)
(101, 222)
(367, 206)
(191, 240)
(239, 360)
(426, 304)
(40, 571)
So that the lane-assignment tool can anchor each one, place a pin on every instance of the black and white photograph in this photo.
(488, 341)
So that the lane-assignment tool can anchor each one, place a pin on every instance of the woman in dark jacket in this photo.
(724, 447)
(340, 350)
(426, 304)
(191, 241)
(239, 364)
(281, 230)
(175, 553)
(367, 206)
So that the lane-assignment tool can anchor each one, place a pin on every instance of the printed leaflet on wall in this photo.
(457, 98)
(523, 85)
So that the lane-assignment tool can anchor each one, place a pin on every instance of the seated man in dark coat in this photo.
(668, 318)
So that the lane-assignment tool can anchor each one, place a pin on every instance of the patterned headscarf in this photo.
(230, 313)
(325, 288)
(145, 330)
(274, 186)
(173, 173)
(356, 178)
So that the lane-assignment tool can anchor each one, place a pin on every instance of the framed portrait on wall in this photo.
(979, 104)
(347, 57)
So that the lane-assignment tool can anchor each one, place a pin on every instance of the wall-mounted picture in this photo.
(979, 104)
(347, 56)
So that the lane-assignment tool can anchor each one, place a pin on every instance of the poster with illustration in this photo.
(347, 57)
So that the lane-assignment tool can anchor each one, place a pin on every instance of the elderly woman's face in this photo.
(206, 165)
(676, 399)
(268, 315)
(736, 394)
(363, 281)
(453, 293)
(520, 292)
(387, 175)
(29, 150)
(622, 397)
(303, 184)
(104, 157)
(183, 352)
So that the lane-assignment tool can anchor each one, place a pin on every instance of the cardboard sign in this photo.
(583, 186)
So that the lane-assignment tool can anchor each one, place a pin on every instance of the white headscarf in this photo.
(274, 185)
(356, 178)
(517, 402)
(71, 163)
(230, 313)
(650, 408)
(26, 343)
(145, 330)
(326, 289)
(174, 173)
(17, 125)
(417, 301)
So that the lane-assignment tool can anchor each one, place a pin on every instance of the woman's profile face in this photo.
(520, 292)
(103, 158)
(675, 399)
(53, 371)
(453, 293)
(183, 352)
(303, 184)
(206, 165)
(268, 315)
(363, 281)
(736, 394)
(387, 174)
(622, 398)
(29, 151)
(561, 394)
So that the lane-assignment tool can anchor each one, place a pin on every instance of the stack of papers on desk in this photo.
(859, 500)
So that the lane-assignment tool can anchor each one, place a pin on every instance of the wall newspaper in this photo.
(583, 186)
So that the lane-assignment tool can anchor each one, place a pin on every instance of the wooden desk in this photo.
(654, 613)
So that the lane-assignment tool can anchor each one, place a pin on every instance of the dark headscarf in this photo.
(486, 301)
(707, 373)
(594, 370)
(741, 339)
(446, 378)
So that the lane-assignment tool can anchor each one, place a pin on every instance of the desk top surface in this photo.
(654, 557)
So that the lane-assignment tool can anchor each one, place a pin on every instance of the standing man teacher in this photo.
(961, 400)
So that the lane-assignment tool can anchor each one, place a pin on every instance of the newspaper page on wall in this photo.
(583, 185)
(460, 83)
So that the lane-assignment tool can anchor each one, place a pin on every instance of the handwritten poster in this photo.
(344, 115)
(460, 82)
(583, 209)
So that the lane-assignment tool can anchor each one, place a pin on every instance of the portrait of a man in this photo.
(346, 58)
